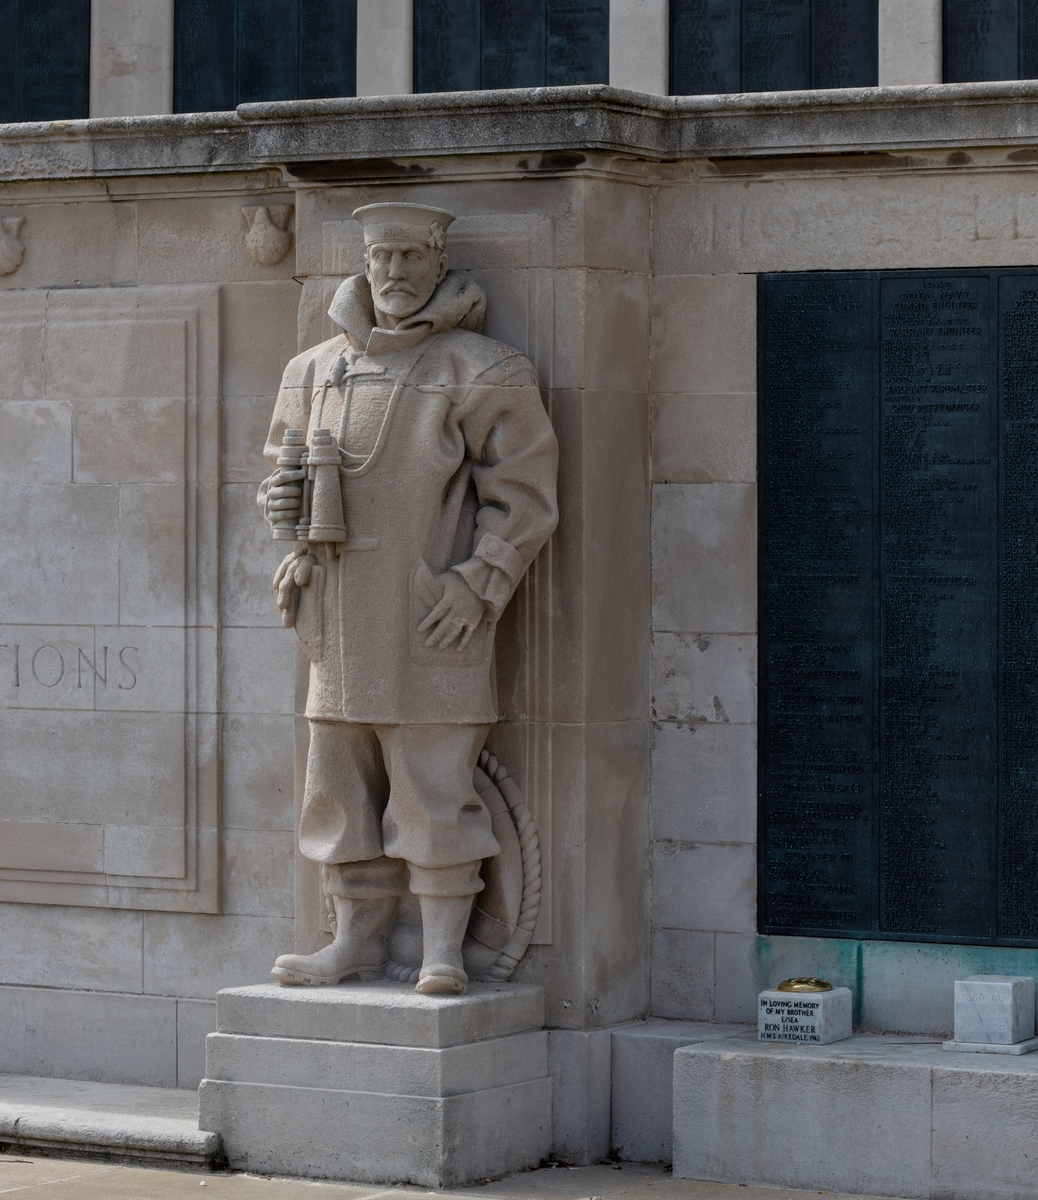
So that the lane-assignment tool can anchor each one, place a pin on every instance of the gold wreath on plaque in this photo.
(804, 983)
(505, 912)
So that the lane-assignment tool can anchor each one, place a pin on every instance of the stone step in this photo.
(113, 1121)
(880, 1115)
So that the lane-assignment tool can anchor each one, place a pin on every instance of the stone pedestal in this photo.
(994, 1014)
(376, 1084)
(811, 1017)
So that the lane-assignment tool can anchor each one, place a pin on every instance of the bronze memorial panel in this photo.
(899, 605)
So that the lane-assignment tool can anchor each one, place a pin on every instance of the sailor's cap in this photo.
(404, 222)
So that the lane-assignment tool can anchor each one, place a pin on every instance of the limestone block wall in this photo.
(712, 234)
(141, 870)
(146, 825)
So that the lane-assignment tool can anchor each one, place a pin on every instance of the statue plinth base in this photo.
(376, 1084)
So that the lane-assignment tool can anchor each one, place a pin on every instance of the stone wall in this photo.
(618, 238)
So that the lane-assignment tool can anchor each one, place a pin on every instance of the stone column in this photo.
(909, 42)
(131, 57)
(385, 41)
(639, 45)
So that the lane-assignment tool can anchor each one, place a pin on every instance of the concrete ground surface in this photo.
(65, 1179)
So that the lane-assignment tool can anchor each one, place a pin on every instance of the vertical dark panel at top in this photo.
(513, 49)
(577, 42)
(939, 604)
(705, 47)
(10, 100)
(817, 476)
(1018, 625)
(268, 50)
(981, 39)
(204, 56)
(844, 43)
(1028, 39)
(776, 45)
(446, 45)
(327, 48)
(53, 59)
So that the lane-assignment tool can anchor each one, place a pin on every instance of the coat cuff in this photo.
(493, 572)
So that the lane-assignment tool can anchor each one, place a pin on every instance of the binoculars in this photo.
(321, 516)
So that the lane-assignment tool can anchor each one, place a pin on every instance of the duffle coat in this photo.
(448, 462)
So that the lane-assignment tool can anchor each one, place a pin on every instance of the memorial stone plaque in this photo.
(982, 39)
(230, 52)
(772, 45)
(465, 44)
(899, 604)
(45, 60)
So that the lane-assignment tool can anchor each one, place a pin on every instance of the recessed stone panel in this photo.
(108, 794)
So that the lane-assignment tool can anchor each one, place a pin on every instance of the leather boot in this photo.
(360, 949)
(444, 921)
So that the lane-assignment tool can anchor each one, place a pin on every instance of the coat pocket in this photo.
(424, 594)
(310, 614)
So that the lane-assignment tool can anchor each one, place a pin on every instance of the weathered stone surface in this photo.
(385, 1013)
(939, 1124)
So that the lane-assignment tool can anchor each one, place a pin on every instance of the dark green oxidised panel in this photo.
(230, 52)
(464, 44)
(45, 60)
(899, 605)
(772, 45)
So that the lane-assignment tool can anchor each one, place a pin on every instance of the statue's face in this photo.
(403, 276)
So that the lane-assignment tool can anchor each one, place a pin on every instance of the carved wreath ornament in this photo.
(267, 238)
(12, 248)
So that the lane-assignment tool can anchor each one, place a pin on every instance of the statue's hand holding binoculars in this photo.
(285, 496)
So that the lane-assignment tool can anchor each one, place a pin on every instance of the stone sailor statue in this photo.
(415, 471)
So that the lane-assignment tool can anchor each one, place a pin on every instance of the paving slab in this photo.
(32, 1177)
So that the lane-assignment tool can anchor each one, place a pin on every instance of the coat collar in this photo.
(458, 303)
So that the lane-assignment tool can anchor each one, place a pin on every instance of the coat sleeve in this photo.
(291, 411)
(515, 457)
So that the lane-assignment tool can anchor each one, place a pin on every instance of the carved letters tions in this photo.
(899, 605)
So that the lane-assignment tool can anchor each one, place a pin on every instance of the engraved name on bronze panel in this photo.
(935, 377)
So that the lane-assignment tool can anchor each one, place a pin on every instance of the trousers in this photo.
(394, 791)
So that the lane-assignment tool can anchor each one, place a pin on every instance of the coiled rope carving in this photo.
(530, 850)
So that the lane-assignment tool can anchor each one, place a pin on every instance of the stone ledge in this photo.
(563, 126)
(875, 1115)
(390, 1014)
(103, 1120)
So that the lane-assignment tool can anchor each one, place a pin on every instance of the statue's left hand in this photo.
(293, 574)
(456, 615)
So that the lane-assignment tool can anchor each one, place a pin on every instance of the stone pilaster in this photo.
(909, 42)
(385, 45)
(131, 58)
(639, 45)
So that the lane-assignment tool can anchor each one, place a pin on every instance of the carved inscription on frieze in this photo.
(899, 604)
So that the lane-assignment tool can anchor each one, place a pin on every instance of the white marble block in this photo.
(994, 1010)
(817, 1017)
(377, 1084)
